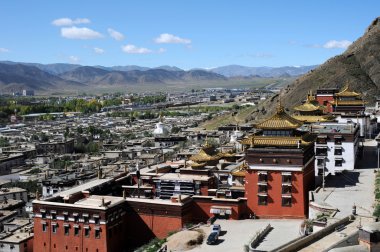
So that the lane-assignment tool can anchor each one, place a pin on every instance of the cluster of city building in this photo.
(133, 190)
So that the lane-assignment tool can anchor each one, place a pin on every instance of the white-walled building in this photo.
(336, 147)
(364, 122)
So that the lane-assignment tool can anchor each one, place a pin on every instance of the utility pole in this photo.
(323, 174)
(138, 179)
(378, 158)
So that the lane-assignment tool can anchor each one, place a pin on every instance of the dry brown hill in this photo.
(358, 66)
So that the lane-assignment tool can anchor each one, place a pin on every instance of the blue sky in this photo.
(187, 34)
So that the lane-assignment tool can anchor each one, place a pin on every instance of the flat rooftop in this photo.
(187, 177)
(99, 201)
(80, 188)
(342, 128)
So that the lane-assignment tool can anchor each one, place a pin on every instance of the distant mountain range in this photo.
(15, 76)
(265, 72)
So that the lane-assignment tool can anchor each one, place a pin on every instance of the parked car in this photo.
(216, 228)
(212, 238)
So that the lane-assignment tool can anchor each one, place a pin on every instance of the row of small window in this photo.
(337, 141)
(323, 151)
(285, 201)
(286, 189)
(286, 178)
(86, 219)
(54, 229)
(338, 162)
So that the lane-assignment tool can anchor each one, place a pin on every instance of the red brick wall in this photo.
(274, 208)
(322, 99)
(59, 241)
(202, 206)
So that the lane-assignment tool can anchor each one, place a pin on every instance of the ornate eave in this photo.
(268, 141)
(240, 171)
(348, 103)
(313, 118)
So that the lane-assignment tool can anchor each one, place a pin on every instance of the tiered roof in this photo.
(346, 92)
(279, 121)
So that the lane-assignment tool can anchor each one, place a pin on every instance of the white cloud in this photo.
(337, 44)
(98, 50)
(79, 33)
(166, 38)
(161, 50)
(3, 50)
(70, 22)
(74, 59)
(115, 34)
(135, 50)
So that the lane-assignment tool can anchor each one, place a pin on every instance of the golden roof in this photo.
(313, 118)
(280, 120)
(198, 165)
(275, 141)
(310, 105)
(240, 171)
(203, 156)
(346, 92)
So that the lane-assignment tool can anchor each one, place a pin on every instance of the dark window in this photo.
(44, 227)
(321, 152)
(286, 178)
(43, 215)
(97, 234)
(85, 218)
(54, 228)
(53, 216)
(67, 228)
(286, 201)
(76, 231)
(320, 162)
(338, 162)
(66, 217)
(263, 200)
(286, 189)
(263, 188)
(321, 140)
(76, 218)
(338, 141)
(87, 232)
(338, 151)
(97, 221)
(263, 177)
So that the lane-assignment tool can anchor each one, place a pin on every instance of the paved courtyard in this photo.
(237, 233)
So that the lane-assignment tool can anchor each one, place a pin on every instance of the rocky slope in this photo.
(358, 67)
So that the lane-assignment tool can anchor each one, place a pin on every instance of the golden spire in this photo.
(280, 108)
(206, 144)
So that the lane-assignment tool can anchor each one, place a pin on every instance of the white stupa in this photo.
(161, 129)
(236, 134)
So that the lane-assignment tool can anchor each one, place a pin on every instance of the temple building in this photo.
(348, 101)
(208, 156)
(310, 111)
(280, 169)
